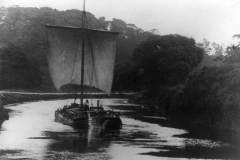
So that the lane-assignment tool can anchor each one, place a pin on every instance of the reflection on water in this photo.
(31, 133)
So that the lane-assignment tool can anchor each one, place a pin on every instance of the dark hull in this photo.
(111, 123)
(78, 117)
(107, 122)
(69, 120)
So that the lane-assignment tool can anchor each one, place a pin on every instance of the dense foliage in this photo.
(160, 61)
(17, 71)
(212, 93)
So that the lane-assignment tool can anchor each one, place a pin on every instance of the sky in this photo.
(215, 20)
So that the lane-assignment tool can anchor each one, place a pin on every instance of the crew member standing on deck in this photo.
(86, 105)
(98, 104)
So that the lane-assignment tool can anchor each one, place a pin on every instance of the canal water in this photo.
(32, 133)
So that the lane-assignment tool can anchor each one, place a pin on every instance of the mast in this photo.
(83, 55)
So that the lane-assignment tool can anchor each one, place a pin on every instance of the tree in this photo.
(218, 49)
(17, 72)
(166, 60)
(206, 45)
(159, 61)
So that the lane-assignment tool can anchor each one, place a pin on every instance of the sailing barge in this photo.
(85, 57)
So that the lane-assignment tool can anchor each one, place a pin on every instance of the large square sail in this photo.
(64, 58)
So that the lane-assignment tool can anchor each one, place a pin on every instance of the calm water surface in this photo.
(31, 133)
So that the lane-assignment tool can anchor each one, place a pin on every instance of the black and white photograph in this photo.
(119, 79)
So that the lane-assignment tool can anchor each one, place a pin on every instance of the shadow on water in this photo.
(195, 152)
(87, 143)
(83, 140)
(199, 142)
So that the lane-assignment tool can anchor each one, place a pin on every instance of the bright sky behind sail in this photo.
(216, 20)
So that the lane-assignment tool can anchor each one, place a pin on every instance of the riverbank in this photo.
(17, 97)
(216, 124)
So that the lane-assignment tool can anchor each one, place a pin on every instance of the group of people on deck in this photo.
(88, 107)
